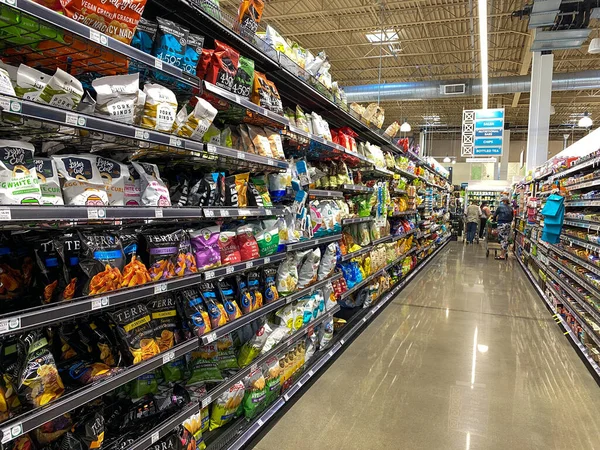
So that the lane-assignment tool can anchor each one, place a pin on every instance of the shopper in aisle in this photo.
(504, 216)
(473, 215)
(486, 212)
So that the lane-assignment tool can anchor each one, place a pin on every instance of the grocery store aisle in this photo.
(466, 357)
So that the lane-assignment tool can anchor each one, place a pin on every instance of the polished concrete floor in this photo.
(466, 357)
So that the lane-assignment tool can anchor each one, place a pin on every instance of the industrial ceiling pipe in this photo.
(426, 90)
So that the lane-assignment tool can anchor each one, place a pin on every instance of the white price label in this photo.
(141, 134)
(229, 270)
(310, 373)
(5, 214)
(160, 288)
(209, 213)
(224, 213)
(99, 303)
(269, 161)
(158, 213)
(209, 275)
(10, 433)
(155, 437)
(253, 367)
(241, 155)
(268, 212)
(75, 120)
(206, 401)
(168, 357)
(267, 260)
(98, 37)
(158, 64)
(237, 99)
(211, 337)
(260, 422)
(249, 265)
(174, 141)
(96, 213)
(10, 325)
(210, 148)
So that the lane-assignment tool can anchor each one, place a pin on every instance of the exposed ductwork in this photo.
(425, 90)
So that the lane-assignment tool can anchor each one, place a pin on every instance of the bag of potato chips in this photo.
(136, 333)
(225, 407)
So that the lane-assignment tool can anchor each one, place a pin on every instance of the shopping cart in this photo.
(492, 238)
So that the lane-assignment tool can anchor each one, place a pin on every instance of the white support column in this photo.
(505, 155)
(422, 142)
(539, 109)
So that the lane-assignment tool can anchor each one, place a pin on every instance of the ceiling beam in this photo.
(525, 63)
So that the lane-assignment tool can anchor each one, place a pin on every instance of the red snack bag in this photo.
(204, 62)
(247, 243)
(230, 252)
(223, 66)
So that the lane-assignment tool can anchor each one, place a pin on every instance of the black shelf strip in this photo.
(28, 421)
(404, 213)
(357, 220)
(575, 296)
(325, 194)
(352, 188)
(164, 428)
(294, 337)
(264, 310)
(225, 271)
(96, 38)
(357, 253)
(223, 211)
(251, 158)
(311, 243)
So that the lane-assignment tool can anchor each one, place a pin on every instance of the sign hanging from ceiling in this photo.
(482, 132)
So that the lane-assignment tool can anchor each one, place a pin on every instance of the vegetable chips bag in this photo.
(202, 364)
(223, 67)
(186, 261)
(135, 272)
(216, 310)
(227, 298)
(192, 308)
(50, 270)
(162, 252)
(244, 298)
(102, 262)
(38, 381)
(269, 276)
(136, 333)
(230, 252)
(255, 396)
(163, 310)
(205, 244)
(225, 407)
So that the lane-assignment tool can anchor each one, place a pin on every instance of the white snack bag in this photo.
(133, 188)
(12, 72)
(30, 83)
(49, 181)
(117, 96)
(160, 108)
(19, 183)
(62, 90)
(82, 184)
(114, 174)
(198, 121)
(154, 191)
(6, 86)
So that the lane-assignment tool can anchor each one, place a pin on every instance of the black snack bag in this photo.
(86, 435)
(231, 193)
(255, 288)
(49, 273)
(163, 310)
(100, 338)
(162, 248)
(38, 381)
(270, 286)
(68, 247)
(16, 272)
(244, 297)
(227, 298)
(136, 334)
(191, 306)
(102, 261)
(216, 311)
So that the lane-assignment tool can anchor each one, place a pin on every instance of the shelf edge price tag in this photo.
(10, 433)
(155, 437)
(75, 120)
(99, 303)
(267, 260)
(241, 155)
(224, 213)
(158, 213)
(98, 37)
(211, 337)
(5, 214)
(160, 288)
(141, 134)
(209, 213)
(174, 141)
(210, 148)
(209, 275)
(206, 401)
(96, 213)
(10, 325)
(229, 270)
(168, 357)
(158, 64)
(249, 265)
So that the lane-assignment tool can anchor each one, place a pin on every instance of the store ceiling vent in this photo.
(559, 39)
(543, 13)
(454, 89)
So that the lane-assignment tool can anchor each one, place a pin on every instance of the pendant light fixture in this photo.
(585, 121)
(454, 161)
(405, 127)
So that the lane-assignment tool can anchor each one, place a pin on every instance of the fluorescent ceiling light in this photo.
(405, 127)
(447, 159)
(382, 36)
(585, 121)
(489, 159)
(483, 48)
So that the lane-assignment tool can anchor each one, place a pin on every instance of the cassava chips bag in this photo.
(19, 182)
(82, 184)
(49, 181)
(114, 174)
(154, 191)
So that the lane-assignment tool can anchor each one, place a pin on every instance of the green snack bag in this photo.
(259, 192)
(244, 77)
(144, 385)
(226, 354)
(272, 374)
(173, 371)
(268, 238)
(255, 396)
(202, 364)
(251, 349)
(212, 135)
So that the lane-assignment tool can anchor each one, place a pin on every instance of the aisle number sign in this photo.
(482, 132)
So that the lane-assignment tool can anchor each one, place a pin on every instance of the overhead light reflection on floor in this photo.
(468, 446)
(447, 312)
(474, 363)
(482, 348)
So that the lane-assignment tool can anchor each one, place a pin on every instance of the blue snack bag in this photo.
(143, 38)
(170, 42)
(192, 53)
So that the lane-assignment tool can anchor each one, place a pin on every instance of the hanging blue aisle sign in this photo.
(482, 132)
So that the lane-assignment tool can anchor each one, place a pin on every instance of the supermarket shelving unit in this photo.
(296, 86)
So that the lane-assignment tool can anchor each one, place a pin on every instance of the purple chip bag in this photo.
(205, 243)
(162, 249)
